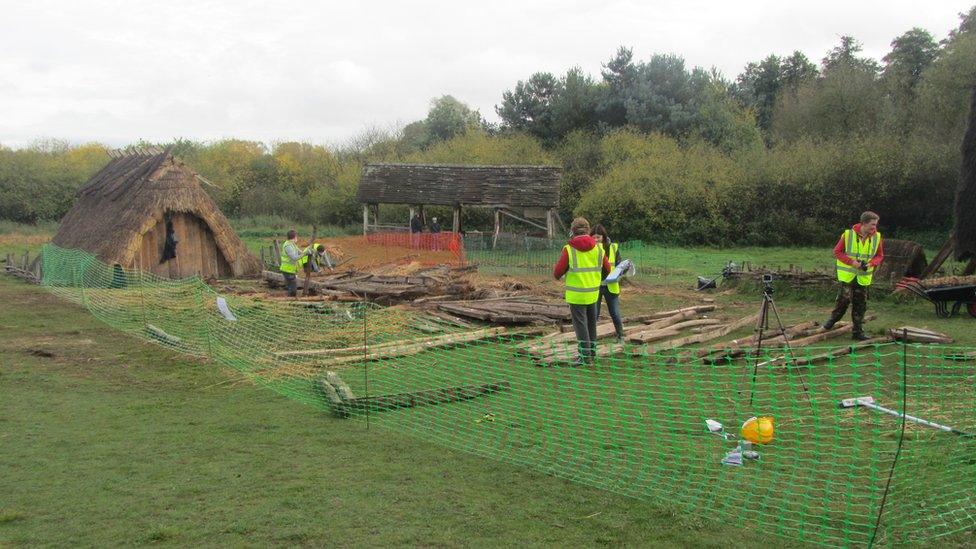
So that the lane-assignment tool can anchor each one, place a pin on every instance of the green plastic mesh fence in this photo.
(633, 421)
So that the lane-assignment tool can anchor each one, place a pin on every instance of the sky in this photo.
(324, 72)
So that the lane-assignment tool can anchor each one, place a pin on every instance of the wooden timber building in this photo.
(529, 194)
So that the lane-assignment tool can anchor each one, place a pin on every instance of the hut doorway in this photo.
(196, 251)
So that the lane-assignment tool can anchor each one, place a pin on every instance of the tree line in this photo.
(655, 150)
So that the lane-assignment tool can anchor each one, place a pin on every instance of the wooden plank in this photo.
(940, 257)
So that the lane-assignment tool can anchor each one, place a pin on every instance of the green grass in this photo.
(116, 442)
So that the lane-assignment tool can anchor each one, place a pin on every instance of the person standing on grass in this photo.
(858, 253)
(416, 225)
(584, 265)
(435, 231)
(609, 292)
(291, 256)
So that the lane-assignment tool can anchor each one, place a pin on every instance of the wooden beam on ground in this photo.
(654, 333)
(733, 347)
(918, 335)
(342, 401)
(697, 338)
(407, 349)
(839, 351)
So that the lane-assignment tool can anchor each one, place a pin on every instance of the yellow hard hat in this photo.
(758, 430)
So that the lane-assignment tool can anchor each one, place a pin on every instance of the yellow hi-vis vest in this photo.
(858, 250)
(306, 254)
(613, 287)
(288, 265)
(584, 275)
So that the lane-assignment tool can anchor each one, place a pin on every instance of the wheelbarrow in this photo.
(942, 297)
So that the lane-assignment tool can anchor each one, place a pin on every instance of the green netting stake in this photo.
(901, 435)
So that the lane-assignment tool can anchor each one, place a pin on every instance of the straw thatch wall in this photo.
(901, 258)
(120, 216)
(965, 230)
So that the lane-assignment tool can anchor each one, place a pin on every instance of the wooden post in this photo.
(277, 253)
(457, 219)
(365, 219)
(423, 218)
(549, 223)
(498, 226)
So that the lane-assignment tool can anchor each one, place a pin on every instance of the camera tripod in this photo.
(762, 326)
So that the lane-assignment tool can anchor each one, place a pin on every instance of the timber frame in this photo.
(527, 194)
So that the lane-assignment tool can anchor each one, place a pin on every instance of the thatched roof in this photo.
(448, 185)
(130, 195)
(965, 229)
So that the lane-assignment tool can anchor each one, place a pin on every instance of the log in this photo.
(421, 346)
(732, 347)
(567, 353)
(841, 351)
(672, 320)
(647, 319)
(697, 338)
(394, 345)
(829, 334)
(427, 397)
(160, 335)
(918, 335)
(652, 335)
(343, 390)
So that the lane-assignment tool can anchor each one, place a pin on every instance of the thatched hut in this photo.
(146, 210)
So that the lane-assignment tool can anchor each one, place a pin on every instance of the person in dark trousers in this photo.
(609, 292)
(416, 226)
(584, 264)
(291, 256)
(435, 231)
(857, 253)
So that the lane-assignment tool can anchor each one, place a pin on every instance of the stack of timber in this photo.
(794, 275)
(508, 310)
(354, 285)
(797, 337)
(561, 347)
(946, 281)
(28, 269)
(393, 349)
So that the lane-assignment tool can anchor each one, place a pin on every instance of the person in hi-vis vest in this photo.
(291, 256)
(611, 292)
(585, 265)
(858, 253)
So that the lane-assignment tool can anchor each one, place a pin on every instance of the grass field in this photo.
(111, 441)
(159, 437)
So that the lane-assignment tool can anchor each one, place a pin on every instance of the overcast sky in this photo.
(323, 72)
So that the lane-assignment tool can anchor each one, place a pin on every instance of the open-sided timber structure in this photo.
(529, 194)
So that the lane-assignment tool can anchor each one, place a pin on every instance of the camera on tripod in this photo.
(767, 282)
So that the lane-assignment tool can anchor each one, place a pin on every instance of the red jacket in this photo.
(583, 243)
(841, 256)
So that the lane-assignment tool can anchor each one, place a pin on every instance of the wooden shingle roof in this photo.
(448, 185)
